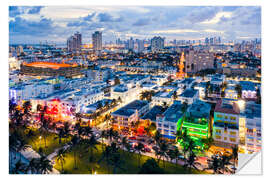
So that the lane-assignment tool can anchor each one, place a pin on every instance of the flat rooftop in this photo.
(228, 107)
(199, 109)
(189, 93)
(173, 113)
(130, 108)
(152, 114)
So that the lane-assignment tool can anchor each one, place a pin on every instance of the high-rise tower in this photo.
(181, 74)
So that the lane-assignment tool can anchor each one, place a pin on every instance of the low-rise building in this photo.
(197, 120)
(226, 123)
(189, 96)
(130, 113)
(170, 120)
(251, 132)
(163, 97)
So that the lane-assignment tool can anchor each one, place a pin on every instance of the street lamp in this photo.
(40, 137)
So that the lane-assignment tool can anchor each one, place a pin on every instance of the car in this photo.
(181, 157)
(147, 149)
(132, 138)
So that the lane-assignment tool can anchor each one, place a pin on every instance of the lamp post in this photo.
(40, 137)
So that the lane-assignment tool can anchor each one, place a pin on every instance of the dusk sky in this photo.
(57, 23)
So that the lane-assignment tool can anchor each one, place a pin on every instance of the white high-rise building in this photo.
(157, 43)
(97, 41)
(74, 42)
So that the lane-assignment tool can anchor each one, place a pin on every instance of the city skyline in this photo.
(53, 23)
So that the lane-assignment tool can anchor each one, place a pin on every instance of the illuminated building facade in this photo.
(251, 131)
(169, 122)
(50, 69)
(130, 113)
(226, 124)
(198, 60)
(197, 120)
(181, 66)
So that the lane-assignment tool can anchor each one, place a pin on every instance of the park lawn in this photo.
(35, 142)
(129, 165)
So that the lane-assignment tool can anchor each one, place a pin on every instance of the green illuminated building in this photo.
(197, 120)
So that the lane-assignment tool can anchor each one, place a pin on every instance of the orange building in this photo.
(181, 74)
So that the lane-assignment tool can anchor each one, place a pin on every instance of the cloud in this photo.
(177, 22)
(89, 17)
(175, 31)
(106, 17)
(218, 17)
(202, 14)
(14, 11)
(20, 26)
(142, 22)
(35, 10)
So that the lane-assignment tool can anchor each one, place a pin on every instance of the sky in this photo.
(32, 24)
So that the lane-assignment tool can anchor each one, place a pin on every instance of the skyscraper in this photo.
(131, 44)
(74, 42)
(140, 46)
(97, 41)
(157, 43)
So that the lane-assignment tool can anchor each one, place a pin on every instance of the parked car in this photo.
(147, 149)
(132, 138)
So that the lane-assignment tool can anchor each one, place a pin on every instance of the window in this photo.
(232, 133)
(225, 138)
(232, 139)
(218, 131)
(218, 137)
(219, 116)
(233, 118)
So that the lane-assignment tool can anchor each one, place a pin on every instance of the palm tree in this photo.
(176, 154)
(124, 142)
(171, 154)
(225, 161)
(75, 140)
(61, 155)
(139, 148)
(111, 134)
(163, 148)
(116, 162)
(91, 144)
(66, 130)
(44, 165)
(235, 155)
(214, 164)
(157, 137)
(20, 168)
(44, 129)
(106, 154)
(238, 88)
(32, 166)
(191, 161)
(103, 135)
(26, 109)
(60, 135)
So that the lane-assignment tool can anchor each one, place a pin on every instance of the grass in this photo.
(35, 142)
(129, 165)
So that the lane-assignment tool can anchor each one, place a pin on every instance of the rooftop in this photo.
(199, 109)
(152, 114)
(130, 108)
(228, 107)
(189, 93)
(173, 113)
